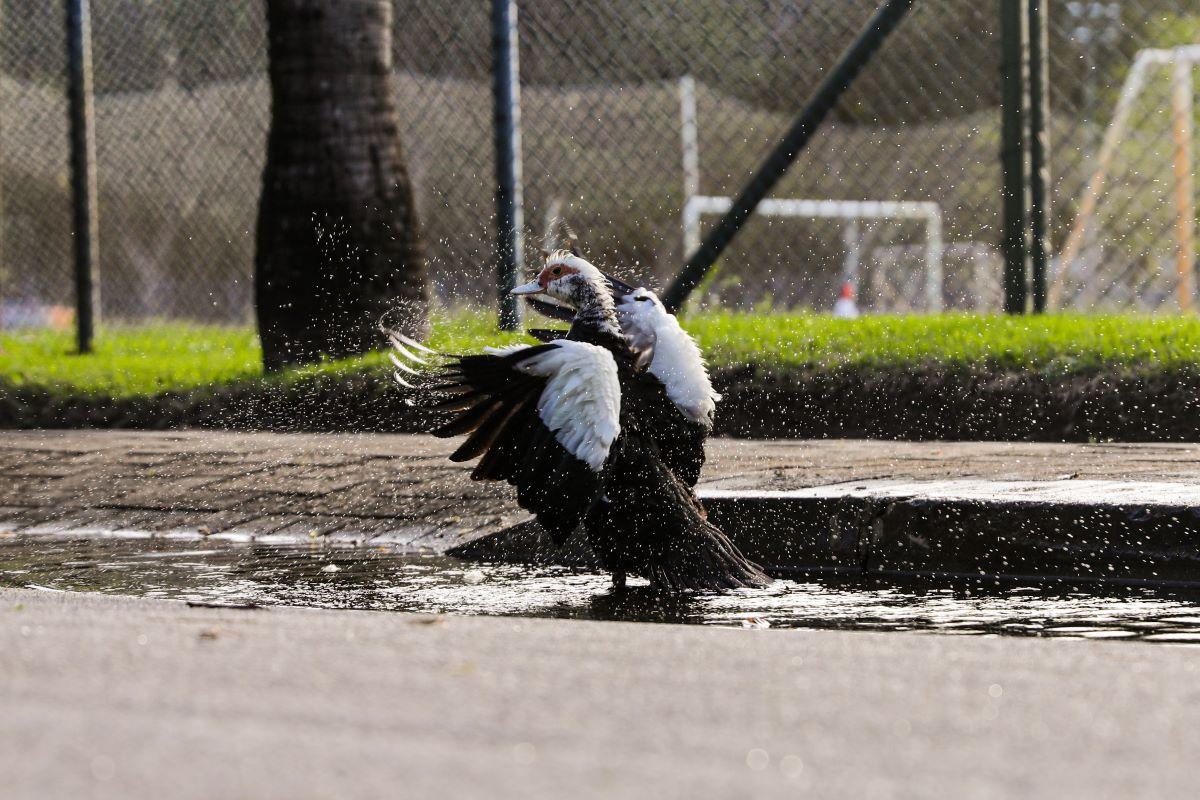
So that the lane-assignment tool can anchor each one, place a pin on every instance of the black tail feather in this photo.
(468, 421)
(710, 562)
(651, 524)
(483, 437)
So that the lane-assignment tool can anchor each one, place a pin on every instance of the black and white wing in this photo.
(673, 392)
(543, 418)
(680, 442)
(672, 355)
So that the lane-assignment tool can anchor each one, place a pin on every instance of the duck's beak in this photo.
(533, 287)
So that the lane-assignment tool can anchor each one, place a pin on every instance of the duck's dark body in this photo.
(637, 509)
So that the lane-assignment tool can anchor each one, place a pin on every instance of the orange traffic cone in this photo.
(846, 307)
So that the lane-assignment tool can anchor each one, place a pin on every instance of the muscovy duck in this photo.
(591, 433)
(664, 348)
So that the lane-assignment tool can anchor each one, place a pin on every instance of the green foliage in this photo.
(1170, 28)
(149, 360)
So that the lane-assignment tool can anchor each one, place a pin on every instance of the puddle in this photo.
(382, 579)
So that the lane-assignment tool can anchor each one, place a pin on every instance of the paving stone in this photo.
(190, 524)
(37, 490)
(199, 494)
(49, 468)
(99, 520)
(307, 480)
(399, 490)
(318, 526)
(33, 520)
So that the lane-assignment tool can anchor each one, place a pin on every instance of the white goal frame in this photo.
(1183, 60)
(695, 205)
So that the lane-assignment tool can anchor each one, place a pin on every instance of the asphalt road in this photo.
(130, 698)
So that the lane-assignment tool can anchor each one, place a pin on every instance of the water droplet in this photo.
(758, 760)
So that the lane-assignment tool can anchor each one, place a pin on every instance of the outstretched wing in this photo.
(549, 307)
(542, 418)
(674, 358)
(581, 403)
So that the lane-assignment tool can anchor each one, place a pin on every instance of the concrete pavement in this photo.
(123, 698)
(1122, 512)
(400, 488)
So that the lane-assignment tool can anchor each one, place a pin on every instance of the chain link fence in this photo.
(181, 112)
(639, 118)
(1125, 147)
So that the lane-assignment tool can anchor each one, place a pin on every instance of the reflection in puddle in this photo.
(381, 579)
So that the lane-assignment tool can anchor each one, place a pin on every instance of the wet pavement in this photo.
(1100, 514)
(384, 579)
(506, 680)
(401, 489)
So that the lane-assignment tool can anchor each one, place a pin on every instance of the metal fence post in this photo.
(1039, 150)
(510, 213)
(1014, 32)
(83, 171)
(689, 140)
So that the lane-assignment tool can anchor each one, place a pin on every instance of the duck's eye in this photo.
(641, 299)
(556, 271)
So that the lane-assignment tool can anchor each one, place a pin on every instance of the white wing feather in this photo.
(506, 350)
(677, 360)
(581, 403)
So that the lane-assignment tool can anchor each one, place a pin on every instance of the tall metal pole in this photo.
(510, 212)
(1039, 151)
(772, 169)
(83, 171)
(1014, 32)
(1014, 67)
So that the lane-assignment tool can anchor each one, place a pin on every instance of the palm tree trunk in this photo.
(338, 241)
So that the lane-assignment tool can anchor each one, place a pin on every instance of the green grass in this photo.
(1051, 343)
(144, 360)
(151, 359)
(131, 361)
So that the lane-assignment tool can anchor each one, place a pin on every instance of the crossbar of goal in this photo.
(927, 212)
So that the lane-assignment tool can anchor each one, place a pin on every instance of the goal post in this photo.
(696, 205)
(1183, 59)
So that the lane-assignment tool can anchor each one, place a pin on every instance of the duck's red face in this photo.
(551, 281)
(554, 272)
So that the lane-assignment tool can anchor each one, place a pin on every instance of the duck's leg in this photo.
(619, 580)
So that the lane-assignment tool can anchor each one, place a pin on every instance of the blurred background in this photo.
(610, 92)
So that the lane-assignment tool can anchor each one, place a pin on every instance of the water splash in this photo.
(382, 579)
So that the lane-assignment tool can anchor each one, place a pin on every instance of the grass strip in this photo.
(153, 359)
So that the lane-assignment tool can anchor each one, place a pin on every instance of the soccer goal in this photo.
(1070, 263)
(696, 205)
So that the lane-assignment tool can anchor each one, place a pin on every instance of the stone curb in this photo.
(1102, 512)
(1081, 531)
